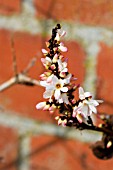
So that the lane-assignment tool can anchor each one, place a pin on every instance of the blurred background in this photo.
(31, 139)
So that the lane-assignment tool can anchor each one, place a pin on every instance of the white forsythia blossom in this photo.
(86, 106)
(55, 86)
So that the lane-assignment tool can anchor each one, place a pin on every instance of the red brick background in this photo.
(7, 8)
(51, 152)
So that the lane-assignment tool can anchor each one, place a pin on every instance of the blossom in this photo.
(82, 94)
(62, 48)
(46, 62)
(55, 86)
(86, 106)
(62, 66)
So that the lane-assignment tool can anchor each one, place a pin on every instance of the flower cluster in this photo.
(59, 86)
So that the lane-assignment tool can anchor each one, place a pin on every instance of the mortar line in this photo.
(23, 152)
(29, 127)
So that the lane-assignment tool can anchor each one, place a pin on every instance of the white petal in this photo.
(93, 102)
(57, 94)
(60, 100)
(43, 83)
(49, 79)
(65, 98)
(67, 79)
(55, 80)
(100, 101)
(81, 93)
(63, 33)
(93, 108)
(65, 70)
(87, 94)
(62, 47)
(44, 51)
(47, 94)
(57, 37)
(41, 105)
(85, 111)
(48, 59)
(64, 89)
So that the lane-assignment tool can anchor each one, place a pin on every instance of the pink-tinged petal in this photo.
(59, 121)
(43, 60)
(53, 66)
(57, 94)
(64, 89)
(74, 114)
(44, 51)
(64, 122)
(49, 79)
(62, 48)
(41, 105)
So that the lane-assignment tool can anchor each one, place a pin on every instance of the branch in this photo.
(19, 79)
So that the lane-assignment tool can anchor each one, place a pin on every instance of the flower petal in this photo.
(81, 93)
(57, 94)
(47, 94)
(41, 105)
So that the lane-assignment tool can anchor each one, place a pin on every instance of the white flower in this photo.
(62, 66)
(82, 94)
(85, 107)
(55, 86)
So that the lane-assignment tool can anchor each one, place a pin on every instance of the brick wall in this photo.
(30, 139)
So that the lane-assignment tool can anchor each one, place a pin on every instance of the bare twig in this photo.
(19, 79)
(30, 64)
(13, 55)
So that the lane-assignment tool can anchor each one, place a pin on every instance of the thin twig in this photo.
(30, 64)
(13, 55)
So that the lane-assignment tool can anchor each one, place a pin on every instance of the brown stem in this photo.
(96, 128)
